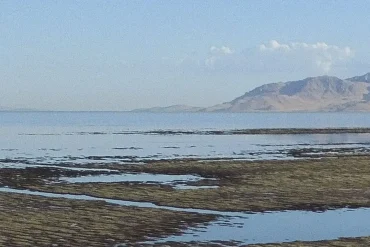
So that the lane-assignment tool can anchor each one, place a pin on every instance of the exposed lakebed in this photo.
(246, 228)
(240, 223)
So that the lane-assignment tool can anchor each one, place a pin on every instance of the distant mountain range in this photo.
(322, 93)
(172, 108)
(2, 108)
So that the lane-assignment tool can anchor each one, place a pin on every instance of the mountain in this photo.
(322, 93)
(170, 109)
(3, 108)
(363, 78)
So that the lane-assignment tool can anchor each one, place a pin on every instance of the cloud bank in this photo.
(273, 56)
(319, 54)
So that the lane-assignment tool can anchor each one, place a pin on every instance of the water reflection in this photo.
(283, 227)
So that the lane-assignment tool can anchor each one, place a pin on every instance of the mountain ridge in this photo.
(169, 109)
(321, 93)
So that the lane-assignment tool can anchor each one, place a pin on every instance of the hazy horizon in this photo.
(123, 55)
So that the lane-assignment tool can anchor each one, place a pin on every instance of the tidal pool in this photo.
(286, 226)
(140, 177)
(177, 181)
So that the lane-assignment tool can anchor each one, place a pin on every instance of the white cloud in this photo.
(320, 54)
(273, 45)
(217, 54)
(273, 57)
(223, 50)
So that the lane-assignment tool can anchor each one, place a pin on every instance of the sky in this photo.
(121, 55)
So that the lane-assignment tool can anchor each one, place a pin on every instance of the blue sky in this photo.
(120, 55)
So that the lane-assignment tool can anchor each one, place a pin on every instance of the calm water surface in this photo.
(83, 137)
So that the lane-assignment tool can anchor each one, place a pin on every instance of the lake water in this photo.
(85, 137)
(147, 121)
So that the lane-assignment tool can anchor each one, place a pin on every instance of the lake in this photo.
(86, 137)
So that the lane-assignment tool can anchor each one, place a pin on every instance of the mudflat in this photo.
(248, 186)
(258, 186)
(38, 221)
